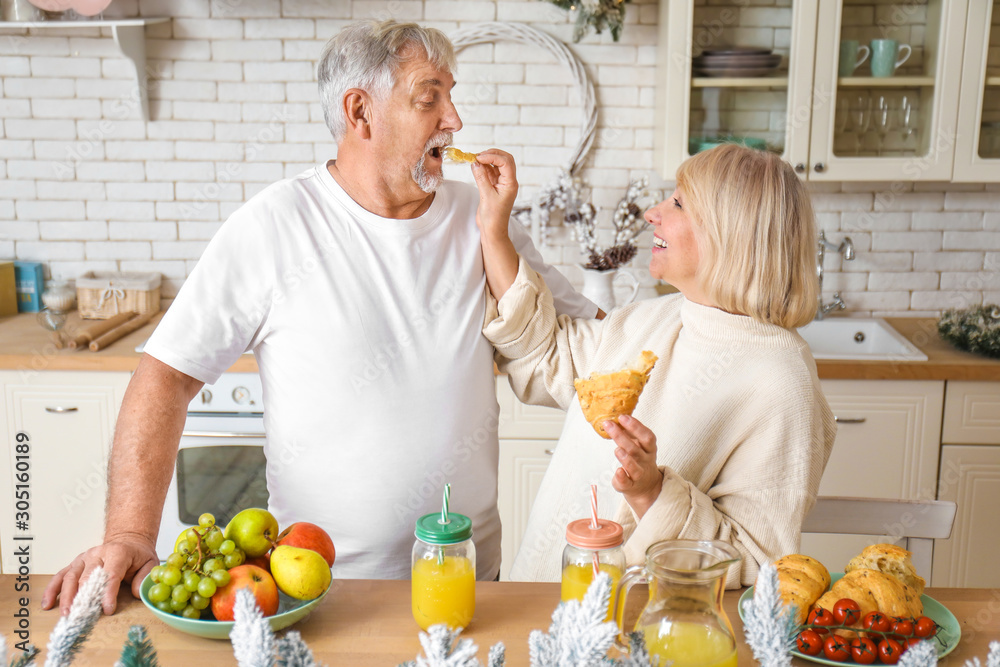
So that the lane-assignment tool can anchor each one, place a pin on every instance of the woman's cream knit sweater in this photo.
(743, 430)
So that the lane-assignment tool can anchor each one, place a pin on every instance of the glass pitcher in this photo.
(683, 621)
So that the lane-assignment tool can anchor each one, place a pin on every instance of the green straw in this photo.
(444, 505)
(444, 520)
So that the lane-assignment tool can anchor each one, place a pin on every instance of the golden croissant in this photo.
(607, 396)
(455, 155)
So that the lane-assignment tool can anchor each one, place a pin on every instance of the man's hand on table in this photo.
(123, 559)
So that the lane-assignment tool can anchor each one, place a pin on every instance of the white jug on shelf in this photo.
(599, 286)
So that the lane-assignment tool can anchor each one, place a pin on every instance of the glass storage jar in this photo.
(589, 549)
(443, 574)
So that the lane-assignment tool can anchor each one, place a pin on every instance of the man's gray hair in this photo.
(367, 55)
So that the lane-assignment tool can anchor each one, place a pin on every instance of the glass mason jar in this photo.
(587, 549)
(443, 571)
(59, 296)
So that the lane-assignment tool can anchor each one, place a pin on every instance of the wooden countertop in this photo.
(365, 622)
(25, 344)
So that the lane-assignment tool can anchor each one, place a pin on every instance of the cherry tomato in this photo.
(836, 648)
(903, 628)
(847, 611)
(864, 651)
(888, 651)
(809, 642)
(874, 620)
(911, 641)
(820, 616)
(925, 627)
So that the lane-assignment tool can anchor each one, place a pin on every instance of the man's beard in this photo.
(425, 180)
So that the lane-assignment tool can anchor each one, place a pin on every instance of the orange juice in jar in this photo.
(591, 546)
(443, 581)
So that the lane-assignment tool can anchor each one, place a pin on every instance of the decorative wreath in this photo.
(975, 329)
(551, 197)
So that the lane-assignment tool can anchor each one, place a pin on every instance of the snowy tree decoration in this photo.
(579, 634)
(992, 659)
(72, 630)
(769, 625)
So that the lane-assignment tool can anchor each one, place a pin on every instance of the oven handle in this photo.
(220, 434)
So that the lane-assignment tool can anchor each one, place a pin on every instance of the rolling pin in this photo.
(123, 330)
(83, 338)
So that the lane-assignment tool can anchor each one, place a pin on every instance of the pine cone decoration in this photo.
(613, 258)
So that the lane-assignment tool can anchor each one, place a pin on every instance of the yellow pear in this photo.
(300, 573)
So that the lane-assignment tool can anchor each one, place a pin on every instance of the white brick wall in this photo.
(86, 185)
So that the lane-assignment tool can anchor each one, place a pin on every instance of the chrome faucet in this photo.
(846, 249)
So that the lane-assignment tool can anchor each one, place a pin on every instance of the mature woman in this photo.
(732, 431)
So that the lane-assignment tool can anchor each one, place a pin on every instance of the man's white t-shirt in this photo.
(378, 383)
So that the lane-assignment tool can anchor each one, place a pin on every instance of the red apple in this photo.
(251, 577)
(308, 536)
(263, 562)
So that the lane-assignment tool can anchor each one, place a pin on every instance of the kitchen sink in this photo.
(859, 339)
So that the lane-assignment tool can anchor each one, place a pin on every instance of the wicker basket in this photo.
(103, 294)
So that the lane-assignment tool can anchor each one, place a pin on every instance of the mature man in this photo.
(370, 260)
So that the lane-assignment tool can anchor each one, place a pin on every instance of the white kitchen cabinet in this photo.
(888, 438)
(977, 147)
(69, 420)
(527, 435)
(970, 476)
(825, 125)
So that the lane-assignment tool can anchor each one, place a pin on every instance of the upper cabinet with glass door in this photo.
(885, 89)
(864, 89)
(977, 148)
(729, 71)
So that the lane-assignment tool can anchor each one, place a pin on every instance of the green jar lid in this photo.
(430, 529)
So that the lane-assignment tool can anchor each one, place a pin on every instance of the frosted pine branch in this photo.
(497, 656)
(578, 636)
(293, 651)
(442, 651)
(769, 626)
(26, 659)
(253, 641)
(138, 650)
(992, 658)
(921, 654)
(72, 630)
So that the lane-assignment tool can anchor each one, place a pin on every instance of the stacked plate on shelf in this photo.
(735, 61)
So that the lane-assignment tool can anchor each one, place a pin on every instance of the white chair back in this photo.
(917, 522)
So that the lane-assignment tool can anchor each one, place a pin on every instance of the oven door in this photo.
(220, 469)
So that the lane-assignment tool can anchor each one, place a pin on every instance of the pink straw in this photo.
(594, 523)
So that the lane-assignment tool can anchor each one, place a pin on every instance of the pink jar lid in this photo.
(580, 534)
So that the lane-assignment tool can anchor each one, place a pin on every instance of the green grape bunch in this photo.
(185, 583)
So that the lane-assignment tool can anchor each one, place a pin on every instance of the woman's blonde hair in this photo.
(756, 231)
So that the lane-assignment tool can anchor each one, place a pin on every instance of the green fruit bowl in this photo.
(290, 611)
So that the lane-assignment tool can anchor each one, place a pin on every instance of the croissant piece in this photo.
(801, 582)
(456, 155)
(607, 396)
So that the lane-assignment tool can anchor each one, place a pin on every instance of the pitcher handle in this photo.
(632, 576)
(635, 285)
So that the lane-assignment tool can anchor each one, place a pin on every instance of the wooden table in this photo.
(365, 622)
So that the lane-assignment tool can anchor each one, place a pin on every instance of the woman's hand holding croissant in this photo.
(638, 478)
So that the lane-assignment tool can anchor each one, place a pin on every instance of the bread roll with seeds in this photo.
(801, 582)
